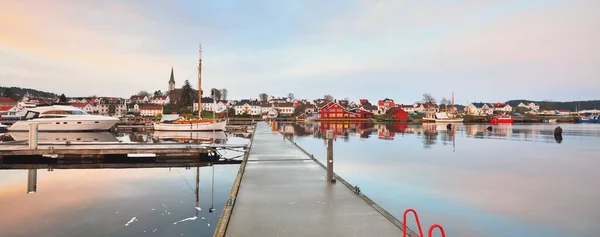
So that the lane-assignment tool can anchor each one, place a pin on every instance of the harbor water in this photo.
(515, 180)
(177, 201)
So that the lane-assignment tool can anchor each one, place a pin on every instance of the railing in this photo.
(418, 222)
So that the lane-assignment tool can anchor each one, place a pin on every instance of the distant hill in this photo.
(560, 105)
(20, 92)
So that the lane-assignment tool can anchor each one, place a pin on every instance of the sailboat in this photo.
(178, 123)
(442, 117)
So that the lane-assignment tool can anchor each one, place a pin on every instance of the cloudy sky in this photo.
(483, 50)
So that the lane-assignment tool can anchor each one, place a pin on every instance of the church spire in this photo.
(172, 80)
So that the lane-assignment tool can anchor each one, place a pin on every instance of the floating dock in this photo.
(281, 191)
(99, 150)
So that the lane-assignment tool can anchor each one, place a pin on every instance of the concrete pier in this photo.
(283, 192)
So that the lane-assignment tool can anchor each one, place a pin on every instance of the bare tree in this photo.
(263, 97)
(328, 97)
(216, 93)
(223, 94)
(291, 96)
(427, 98)
(144, 93)
(444, 101)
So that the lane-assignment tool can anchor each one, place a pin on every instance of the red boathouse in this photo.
(334, 111)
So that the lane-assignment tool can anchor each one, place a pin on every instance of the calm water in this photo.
(118, 202)
(516, 180)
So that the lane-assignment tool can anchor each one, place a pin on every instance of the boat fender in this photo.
(489, 128)
(558, 131)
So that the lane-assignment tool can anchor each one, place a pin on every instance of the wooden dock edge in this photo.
(230, 202)
(368, 200)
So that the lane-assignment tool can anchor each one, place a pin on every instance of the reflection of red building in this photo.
(334, 111)
(339, 128)
(398, 113)
(399, 127)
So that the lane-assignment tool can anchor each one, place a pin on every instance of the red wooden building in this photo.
(397, 113)
(334, 111)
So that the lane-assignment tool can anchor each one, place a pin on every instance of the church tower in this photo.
(171, 81)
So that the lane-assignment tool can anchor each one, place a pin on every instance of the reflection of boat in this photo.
(63, 118)
(189, 136)
(441, 118)
(67, 136)
(501, 118)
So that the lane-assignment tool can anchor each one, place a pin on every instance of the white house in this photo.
(419, 108)
(479, 109)
(250, 107)
(150, 110)
(160, 100)
(285, 109)
(111, 106)
(408, 108)
(531, 106)
(502, 107)
(138, 99)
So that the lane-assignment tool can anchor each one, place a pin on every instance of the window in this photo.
(64, 122)
(78, 122)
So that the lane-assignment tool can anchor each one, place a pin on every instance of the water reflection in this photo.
(434, 134)
(67, 136)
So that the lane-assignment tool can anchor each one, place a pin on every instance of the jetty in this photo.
(100, 150)
(281, 190)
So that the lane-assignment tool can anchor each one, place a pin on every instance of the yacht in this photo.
(63, 118)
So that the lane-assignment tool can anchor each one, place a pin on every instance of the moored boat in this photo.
(61, 118)
(177, 123)
(180, 124)
(501, 118)
(440, 118)
(588, 119)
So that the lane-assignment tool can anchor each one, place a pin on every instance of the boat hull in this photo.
(218, 126)
(587, 120)
(67, 136)
(73, 124)
(426, 120)
(501, 120)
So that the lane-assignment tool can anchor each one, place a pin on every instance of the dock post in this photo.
(33, 136)
(329, 137)
(32, 181)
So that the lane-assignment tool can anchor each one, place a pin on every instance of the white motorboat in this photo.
(63, 118)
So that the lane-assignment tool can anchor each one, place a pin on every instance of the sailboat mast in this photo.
(200, 83)
(452, 102)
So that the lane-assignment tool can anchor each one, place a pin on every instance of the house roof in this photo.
(479, 105)
(5, 107)
(6, 100)
(79, 105)
(150, 107)
(498, 105)
(207, 100)
(394, 110)
(162, 97)
(286, 104)
(137, 97)
(406, 106)
(249, 102)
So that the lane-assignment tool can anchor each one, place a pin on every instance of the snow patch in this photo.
(134, 219)
(186, 219)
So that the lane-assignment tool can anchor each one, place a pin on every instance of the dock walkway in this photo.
(284, 193)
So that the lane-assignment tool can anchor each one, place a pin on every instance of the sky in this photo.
(482, 50)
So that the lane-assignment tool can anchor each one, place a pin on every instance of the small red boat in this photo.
(501, 118)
